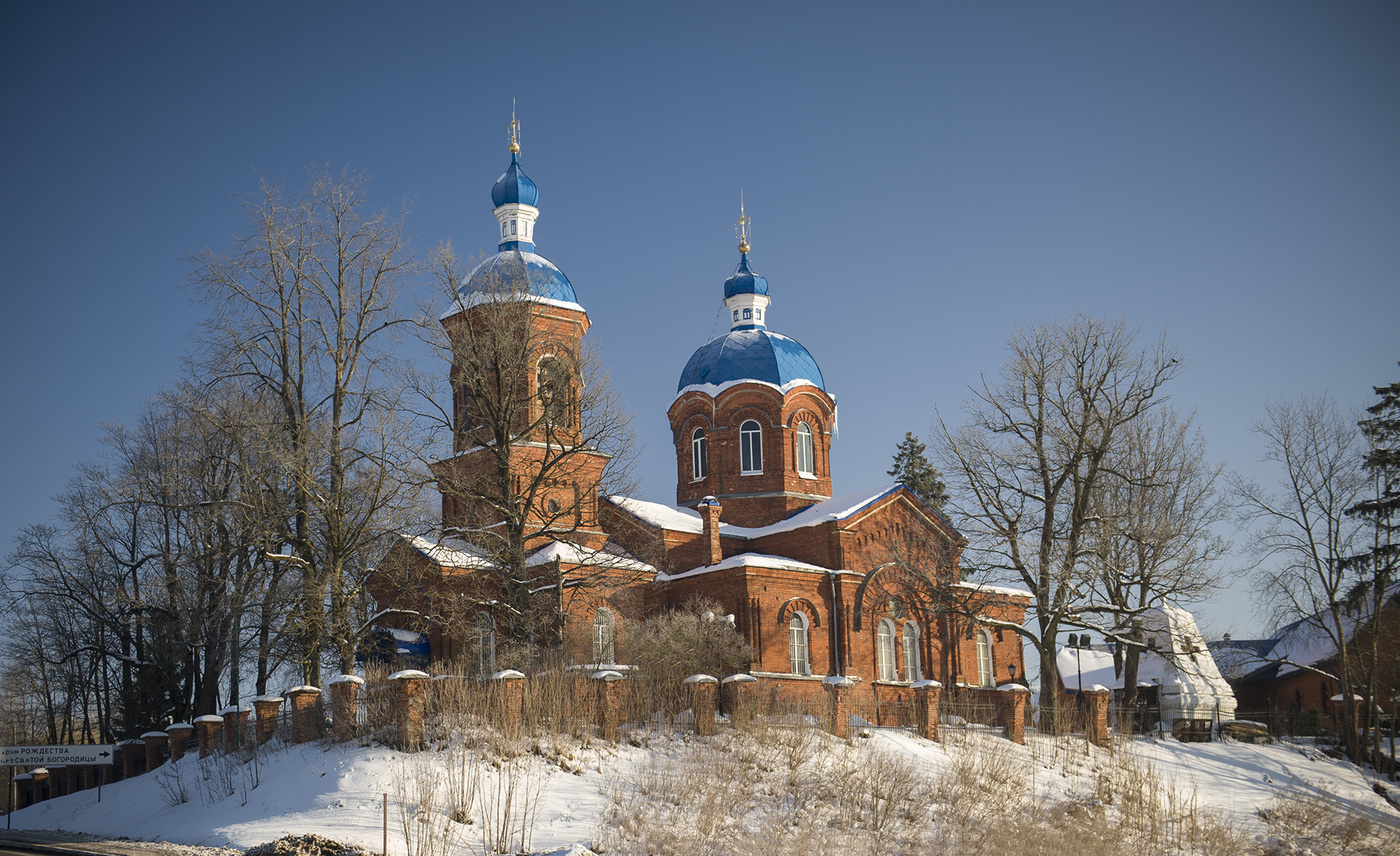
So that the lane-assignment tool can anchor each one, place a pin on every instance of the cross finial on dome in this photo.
(514, 130)
(743, 224)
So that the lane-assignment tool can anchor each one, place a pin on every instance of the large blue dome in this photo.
(745, 281)
(751, 354)
(514, 187)
(515, 270)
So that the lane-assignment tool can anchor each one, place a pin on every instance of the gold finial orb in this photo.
(514, 130)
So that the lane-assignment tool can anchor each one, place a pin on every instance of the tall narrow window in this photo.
(797, 645)
(699, 455)
(484, 640)
(884, 651)
(553, 384)
(912, 670)
(604, 649)
(750, 448)
(802, 452)
(984, 659)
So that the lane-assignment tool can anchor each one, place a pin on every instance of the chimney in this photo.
(709, 512)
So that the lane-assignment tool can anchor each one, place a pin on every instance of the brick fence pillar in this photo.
(928, 695)
(1012, 707)
(235, 726)
(208, 728)
(838, 704)
(24, 790)
(410, 699)
(344, 691)
(740, 699)
(75, 778)
(702, 689)
(509, 694)
(1096, 727)
(131, 750)
(607, 685)
(41, 783)
(303, 703)
(268, 709)
(155, 741)
(179, 734)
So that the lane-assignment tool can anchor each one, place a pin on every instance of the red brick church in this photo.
(864, 585)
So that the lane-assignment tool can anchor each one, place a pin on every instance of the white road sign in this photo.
(29, 756)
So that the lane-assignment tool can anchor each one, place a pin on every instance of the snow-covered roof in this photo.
(452, 552)
(1181, 664)
(686, 520)
(988, 588)
(747, 560)
(611, 556)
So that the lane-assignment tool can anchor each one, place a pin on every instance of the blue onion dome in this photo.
(744, 280)
(515, 270)
(751, 354)
(514, 186)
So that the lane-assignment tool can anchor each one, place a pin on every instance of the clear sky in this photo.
(920, 176)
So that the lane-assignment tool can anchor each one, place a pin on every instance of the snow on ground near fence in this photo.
(338, 791)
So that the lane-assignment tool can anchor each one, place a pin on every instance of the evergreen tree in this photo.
(913, 470)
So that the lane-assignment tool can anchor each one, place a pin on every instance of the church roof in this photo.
(751, 353)
(516, 272)
(514, 186)
(745, 281)
(685, 520)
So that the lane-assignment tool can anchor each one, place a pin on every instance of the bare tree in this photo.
(1301, 532)
(303, 308)
(537, 430)
(1026, 466)
(1153, 540)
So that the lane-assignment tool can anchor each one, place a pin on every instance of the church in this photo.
(863, 585)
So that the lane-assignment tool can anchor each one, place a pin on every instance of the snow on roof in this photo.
(611, 556)
(686, 520)
(1181, 664)
(1305, 642)
(1009, 591)
(746, 560)
(451, 552)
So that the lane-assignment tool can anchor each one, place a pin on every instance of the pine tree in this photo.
(913, 470)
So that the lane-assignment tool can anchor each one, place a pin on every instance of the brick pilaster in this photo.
(838, 705)
(1096, 702)
(1012, 708)
(268, 709)
(179, 734)
(509, 686)
(344, 691)
(303, 704)
(928, 695)
(607, 686)
(235, 726)
(740, 699)
(410, 699)
(709, 509)
(130, 750)
(208, 728)
(155, 741)
(702, 689)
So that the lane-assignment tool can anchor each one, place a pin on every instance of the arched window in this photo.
(884, 651)
(484, 640)
(797, 645)
(802, 451)
(984, 659)
(750, 448)
(604, 649)
(553, 384)
(912, 670)
(699, 455)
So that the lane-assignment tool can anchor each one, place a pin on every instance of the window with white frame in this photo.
(802, 449)
(699, 455)
(912, 670)
(750, 448)
(604, 647)
(884, 651)
(984, 659)
(797, 645)
(484, 640)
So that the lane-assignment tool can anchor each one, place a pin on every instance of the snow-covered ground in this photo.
(340, 790)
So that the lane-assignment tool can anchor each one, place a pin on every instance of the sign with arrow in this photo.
(32, 756)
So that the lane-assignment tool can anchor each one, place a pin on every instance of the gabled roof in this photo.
(747, 560)
(1180, 665)
(450, 552)
(686, 520)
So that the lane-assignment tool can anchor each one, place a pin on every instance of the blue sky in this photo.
(920, 177)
